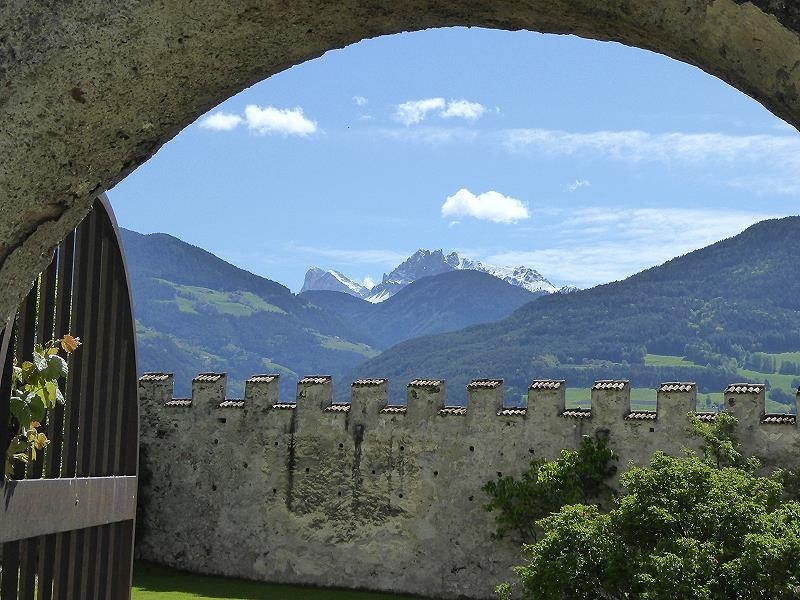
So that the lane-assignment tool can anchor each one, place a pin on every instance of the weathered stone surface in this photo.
(362, 498)
(89, 89)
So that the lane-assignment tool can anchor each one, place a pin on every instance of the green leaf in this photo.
(39, 361)
(56, 367)
(20, 410)
(38, 406)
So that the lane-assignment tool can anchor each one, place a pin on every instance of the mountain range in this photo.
(730, 311)
(424, 263)
(711, 316)
(195, 312)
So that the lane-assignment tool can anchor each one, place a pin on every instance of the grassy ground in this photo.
(152, 582)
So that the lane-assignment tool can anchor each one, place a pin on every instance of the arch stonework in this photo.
(90, 89)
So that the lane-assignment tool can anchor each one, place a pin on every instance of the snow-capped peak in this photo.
(425, 263)
(320, 279)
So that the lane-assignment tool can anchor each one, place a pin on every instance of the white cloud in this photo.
(601, 245)
(578, 184)
(416, 111)
(221, 121)
(433, 136)
(286, 121)
(368, 282)
(488, 206)
(463, 109)
(638, 146)
(360, 100)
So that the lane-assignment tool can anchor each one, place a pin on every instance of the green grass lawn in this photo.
(153, 582)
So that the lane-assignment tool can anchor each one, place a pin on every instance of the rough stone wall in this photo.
(365, 495)
(90, 89)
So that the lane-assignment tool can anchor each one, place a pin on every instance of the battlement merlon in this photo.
(484, 399)
(155, 390)
(314, 395)
(261, 393)
(368, 397)
(674, 400)
(611, 402)
(547, 400)
(424, 399)
(746, 402)
(208, 391)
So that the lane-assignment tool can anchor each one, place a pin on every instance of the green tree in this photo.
(575, 476)
(697, 527)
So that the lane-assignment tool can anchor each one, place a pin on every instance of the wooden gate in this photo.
(66, 523)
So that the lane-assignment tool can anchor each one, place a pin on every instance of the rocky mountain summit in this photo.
(424, 263)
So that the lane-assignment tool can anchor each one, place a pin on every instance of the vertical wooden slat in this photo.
(93, 452)
(51, 546)
(26, 334)
(70, 569)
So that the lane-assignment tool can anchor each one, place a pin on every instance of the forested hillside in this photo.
(196, 312)
(717, 307)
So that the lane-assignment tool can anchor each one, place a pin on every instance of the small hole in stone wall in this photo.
(472, 448)
(731, 401)
(222, 420)
(276, 443)
(339, 493)
(274, 491)
(530, 450)
(341, 445)
(216, 441)
(400, 495)
(214, 488)
(307, 469)
(471, 498)
(436, 473)
(402, 448)
(652, 430)
(499, 474)
(175, 425)
(501, 454)
(244, 465)
(373, 471)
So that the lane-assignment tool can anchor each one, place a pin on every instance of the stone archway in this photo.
(89, 90)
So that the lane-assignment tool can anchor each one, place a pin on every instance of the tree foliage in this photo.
(694, 527)
(575, 476)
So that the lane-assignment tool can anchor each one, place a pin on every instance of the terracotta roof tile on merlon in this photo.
(262, 378)
(368, 382)
(425, 383)
(577, 413)
(744, 388)
(155, 376)
(209, 377)
(610, 384)
(485, 383)
(677, 386)
(545, 384)
(315, 379)
(180, 402)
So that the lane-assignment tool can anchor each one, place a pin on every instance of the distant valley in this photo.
(195, 312)
(727, 312)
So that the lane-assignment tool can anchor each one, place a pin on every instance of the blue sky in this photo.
(588, 161)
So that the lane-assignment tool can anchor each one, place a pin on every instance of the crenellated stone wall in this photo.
(365, 495)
